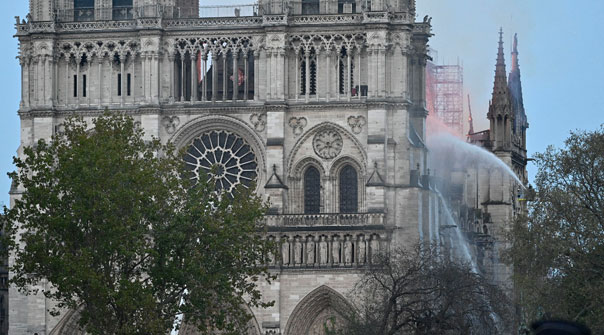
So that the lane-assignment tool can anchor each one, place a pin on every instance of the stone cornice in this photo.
(217, 108)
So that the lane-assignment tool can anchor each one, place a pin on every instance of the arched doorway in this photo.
(317, 309)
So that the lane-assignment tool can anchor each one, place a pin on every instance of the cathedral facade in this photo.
(319, 102)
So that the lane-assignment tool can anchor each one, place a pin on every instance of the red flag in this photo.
(240, 77)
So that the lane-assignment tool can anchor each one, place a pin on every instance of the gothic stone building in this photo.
(320, 101)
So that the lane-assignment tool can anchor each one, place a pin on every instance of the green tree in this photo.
(420, 291)
(127, 239)
(558, 247)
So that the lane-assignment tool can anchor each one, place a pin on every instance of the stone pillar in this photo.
(24, 61)
(256, 54)
(235, 77)
(172, 65)
(193, 97)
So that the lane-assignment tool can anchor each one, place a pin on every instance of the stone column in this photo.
(225, 77)
(307, 76)
(100, 79)
(123, 81)
(256, 55)
(24, 61)
(183, 78)
(193, 97)
(144, 75)
(214, 76)
(235, 54)
(328, 79)
(172, 61)
(297, 72)
(349, 74)
(204, 86)
(246, 74)
(269, 63)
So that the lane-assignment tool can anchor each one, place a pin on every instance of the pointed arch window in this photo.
(312, 191)
(349, 190)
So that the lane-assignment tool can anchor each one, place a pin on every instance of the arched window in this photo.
(348, 190)
(312, 191)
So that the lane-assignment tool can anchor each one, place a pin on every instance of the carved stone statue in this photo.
(323, 250)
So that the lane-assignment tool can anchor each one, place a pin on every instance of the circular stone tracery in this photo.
(328, 143)
(224, 156)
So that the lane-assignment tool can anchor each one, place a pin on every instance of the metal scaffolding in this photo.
(444, 94)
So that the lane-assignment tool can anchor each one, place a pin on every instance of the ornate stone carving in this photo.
(298, 124)
(170, 123)
(328, 143)
(356, 123)
(258, 120)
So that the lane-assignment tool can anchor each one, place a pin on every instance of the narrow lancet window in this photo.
(348, 190)
(312, 191)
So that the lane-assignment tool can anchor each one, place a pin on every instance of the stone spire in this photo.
(500, 111)
(515, 88)
(500, 88)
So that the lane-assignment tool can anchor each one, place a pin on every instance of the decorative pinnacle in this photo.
(500, 87)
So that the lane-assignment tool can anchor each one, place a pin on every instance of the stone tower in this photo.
(493, 196)
(320, 101)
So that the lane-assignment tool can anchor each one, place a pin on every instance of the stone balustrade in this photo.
(326, 220)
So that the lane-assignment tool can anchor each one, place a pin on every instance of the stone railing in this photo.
(326, 19)
(325, 220)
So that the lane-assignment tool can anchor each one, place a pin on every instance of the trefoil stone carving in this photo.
(258, 120)
(356, 123)
(298, 124)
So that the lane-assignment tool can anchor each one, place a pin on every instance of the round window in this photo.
(225, 157)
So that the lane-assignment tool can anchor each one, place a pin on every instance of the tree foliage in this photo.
(419, 291)
(124, 236)
(558, 248)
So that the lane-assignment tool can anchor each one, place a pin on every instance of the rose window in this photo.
(328, 144)
(224, 156)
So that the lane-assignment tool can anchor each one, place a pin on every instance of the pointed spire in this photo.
(515, 89)
(515, 65)
(500, 87)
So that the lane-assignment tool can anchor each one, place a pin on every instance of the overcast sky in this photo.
(561, 60)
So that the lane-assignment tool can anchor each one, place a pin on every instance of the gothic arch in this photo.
(334, 173)
(306, 139)
(297, 182)
(319, 304)
(195, 127)
(303, 153)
